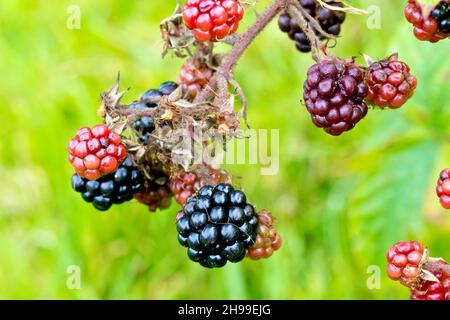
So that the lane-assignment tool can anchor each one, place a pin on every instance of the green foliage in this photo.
(340, 202)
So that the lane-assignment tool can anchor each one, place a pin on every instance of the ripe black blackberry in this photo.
(145, 125)
(334, 95)
(217, 225)
(330, 22)
(442, 15)
(114, 188)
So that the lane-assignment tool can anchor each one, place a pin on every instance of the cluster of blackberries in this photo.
(330, 21)
(217, 225)
(115, 188)
(145, 125)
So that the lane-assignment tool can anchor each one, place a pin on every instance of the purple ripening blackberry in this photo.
(330, 22)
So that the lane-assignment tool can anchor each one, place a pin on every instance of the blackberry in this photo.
(96, 152)
(194, 76)
(390, 82)
(442, 15)
(428, 26)
(217, 225)
(443, 188)
(267, 240)
(431, 290)
(146, 125)
(330, 22)
(156, 192)
(404, 260)
(115, 188)
(334, 95)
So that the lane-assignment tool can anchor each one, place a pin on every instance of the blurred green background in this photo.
(340, 201)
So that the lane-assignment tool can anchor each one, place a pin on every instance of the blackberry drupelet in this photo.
(217, 225)
(145, 125)
(111, 189)
(330, 22)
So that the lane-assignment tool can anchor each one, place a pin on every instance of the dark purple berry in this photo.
(334, 93)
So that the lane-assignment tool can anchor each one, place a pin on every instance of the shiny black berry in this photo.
(217, 225)
(145, 126)
(166, 88)
(114, 188)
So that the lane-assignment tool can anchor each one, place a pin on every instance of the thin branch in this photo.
(241, 44)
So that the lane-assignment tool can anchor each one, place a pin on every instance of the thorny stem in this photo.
(241, 45)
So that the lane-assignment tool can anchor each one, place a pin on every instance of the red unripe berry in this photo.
(403, 260)
(212, 20)
(390, 83)
(267, 239)
(96, 152)
(194, 76)
(432, 290)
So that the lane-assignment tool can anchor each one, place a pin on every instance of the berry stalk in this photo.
(240, 45)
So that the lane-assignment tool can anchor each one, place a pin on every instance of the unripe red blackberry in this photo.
(334, 93)
(156, 194)
(330, 21)
(217, 225)
(432, 290)
(443, 188)
(96, 152)
(429, 25)
(390, 83)
(194, 76)
(212, 20)
(185, 184)
(403, 261)
(267, 238)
